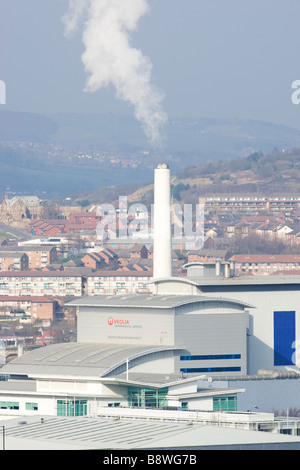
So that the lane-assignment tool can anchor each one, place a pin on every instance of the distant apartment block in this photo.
(251, 203)
(265, 264)
(13, 261)
(117, 282)
(38, 256)
(37, 283)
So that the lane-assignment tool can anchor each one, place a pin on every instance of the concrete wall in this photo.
(213, 332)
(175, 287)
(126, 326)
(162, 361)
(271, 396)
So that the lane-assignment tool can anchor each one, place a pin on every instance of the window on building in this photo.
(284, 338)
(224, 404)
(208, 357)
(196, 370)
(147, 397)
(71, 407)
(9, 405)
(31, 406)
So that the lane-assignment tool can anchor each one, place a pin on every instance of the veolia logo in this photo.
(117, 321)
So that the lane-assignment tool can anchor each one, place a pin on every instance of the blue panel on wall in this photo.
(284, 338)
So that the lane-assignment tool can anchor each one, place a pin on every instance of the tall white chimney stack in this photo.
(162, 242)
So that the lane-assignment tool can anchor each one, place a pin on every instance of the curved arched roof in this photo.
(86, 360)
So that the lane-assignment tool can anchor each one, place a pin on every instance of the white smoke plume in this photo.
(109, 57)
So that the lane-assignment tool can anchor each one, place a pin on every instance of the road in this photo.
(14, 231)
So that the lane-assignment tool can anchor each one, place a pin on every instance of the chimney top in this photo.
(163, 166)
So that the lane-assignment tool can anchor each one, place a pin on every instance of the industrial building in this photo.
(144, 351)
(195, 344)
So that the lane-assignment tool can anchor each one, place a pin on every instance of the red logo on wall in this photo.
(117, 321)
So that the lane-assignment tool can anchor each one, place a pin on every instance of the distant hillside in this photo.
(277, 173)
(53, 156)
(188, 141)
(194, 139)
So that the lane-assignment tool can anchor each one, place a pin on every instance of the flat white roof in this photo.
(78, 433)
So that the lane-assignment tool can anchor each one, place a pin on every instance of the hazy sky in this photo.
(211, 58)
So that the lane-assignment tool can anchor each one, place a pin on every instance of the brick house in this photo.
(84, 218)
(93, 260)
(139, 251)
(42, 308)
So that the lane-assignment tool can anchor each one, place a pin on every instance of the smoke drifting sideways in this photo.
(110, 59)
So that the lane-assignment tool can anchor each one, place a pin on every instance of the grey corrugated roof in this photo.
(25, 248)
(77, 359)
(247, 280)
(233, 281)
(149, 301)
